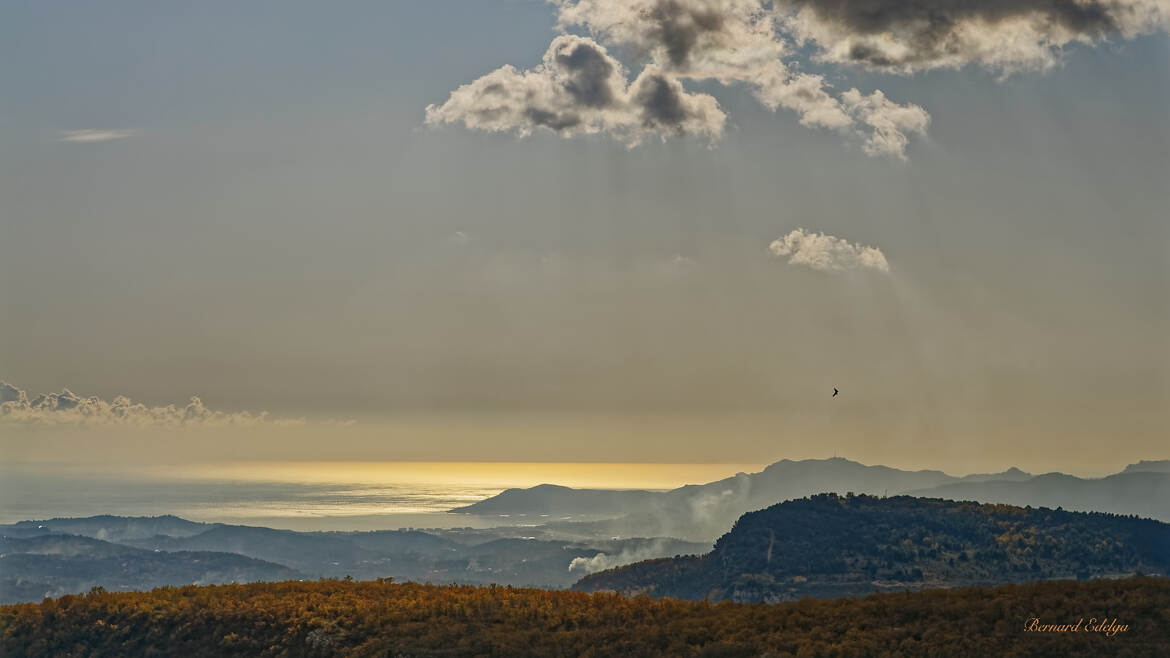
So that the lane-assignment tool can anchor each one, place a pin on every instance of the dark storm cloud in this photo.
(1007, 35)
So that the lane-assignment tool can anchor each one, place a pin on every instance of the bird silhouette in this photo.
(835, 392)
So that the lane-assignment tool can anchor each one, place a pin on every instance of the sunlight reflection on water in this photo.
(315, 495)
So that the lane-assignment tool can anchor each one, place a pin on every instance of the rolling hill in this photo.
(38, 559)
(51, 565)
(108, 528)
(830, 545)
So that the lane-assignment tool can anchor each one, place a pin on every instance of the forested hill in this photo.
(335, 618)
(830, 545)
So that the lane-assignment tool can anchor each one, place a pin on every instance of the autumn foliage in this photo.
(332, 617)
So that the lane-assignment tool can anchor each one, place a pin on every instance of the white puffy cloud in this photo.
(756, 43)
(68, 408)
(827, 253)
(579, 89)
(732, 41)
(92, 136)
(737, 41)
(1003, 35)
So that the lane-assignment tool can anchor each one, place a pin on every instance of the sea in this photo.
(317, 495)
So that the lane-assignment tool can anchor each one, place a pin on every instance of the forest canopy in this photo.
(343, 618)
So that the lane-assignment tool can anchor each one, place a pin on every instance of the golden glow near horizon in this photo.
(504, 474)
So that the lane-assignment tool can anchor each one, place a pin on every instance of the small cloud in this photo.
(888, 124)
(828, 253)
(93, 136)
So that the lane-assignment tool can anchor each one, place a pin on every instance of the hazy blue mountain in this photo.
(704, 511)
(399, 541)
(1149, 466)
(1130, 492)
(830, 545)
(310, 551)
(63, 546)
(1013, 474)
(555, 499)
(51, 565)
(465, 556)
(109, 528)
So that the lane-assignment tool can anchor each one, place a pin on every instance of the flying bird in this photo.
(835, 392)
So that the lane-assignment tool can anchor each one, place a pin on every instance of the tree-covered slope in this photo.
(335, 618)
(51, 565)
(830, 545)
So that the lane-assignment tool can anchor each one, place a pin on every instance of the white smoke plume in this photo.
(602, 561)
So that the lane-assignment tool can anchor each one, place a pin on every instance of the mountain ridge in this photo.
(701, 512)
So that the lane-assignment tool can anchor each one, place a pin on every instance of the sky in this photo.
(587, 230)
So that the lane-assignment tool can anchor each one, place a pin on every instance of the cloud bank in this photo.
(67, 408)
(581, 89)
(827, 253)
(93, 136)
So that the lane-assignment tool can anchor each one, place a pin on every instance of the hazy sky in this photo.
(251, 203)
